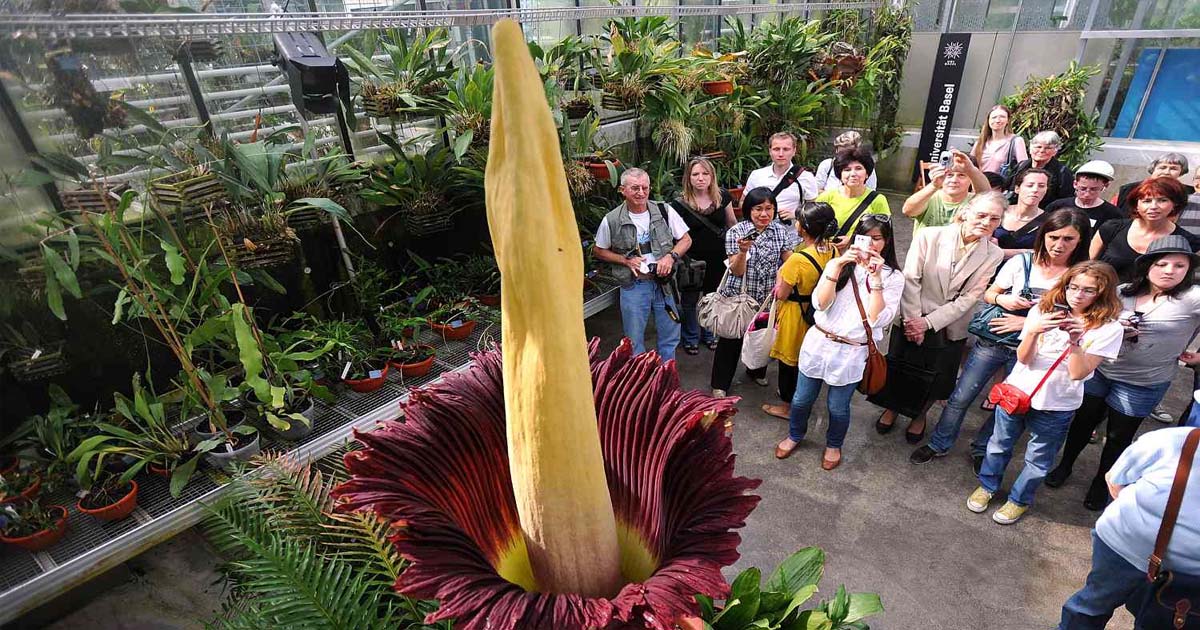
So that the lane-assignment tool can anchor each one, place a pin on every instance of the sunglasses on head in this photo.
(881, 218)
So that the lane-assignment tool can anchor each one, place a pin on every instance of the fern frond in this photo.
(296, 494)
(362, 538)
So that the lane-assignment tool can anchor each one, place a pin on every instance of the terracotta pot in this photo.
(364, 385)
(452, 333)
(489, 300)
(414, 370)
(161, 471)
(690, 623)
(28, 494)
(736, 193)
(116, 511)
(45, 538)
(598, 168)
(717, 88)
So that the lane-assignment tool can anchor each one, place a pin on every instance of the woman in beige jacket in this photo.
(945, 274)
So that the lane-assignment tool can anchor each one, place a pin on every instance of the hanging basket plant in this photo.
(199, 50)
(380, 101)
(71, 89)
(185, 194)
(615, 102)
(94, 196)
(256, 242)
(30, 365)
(578, 107)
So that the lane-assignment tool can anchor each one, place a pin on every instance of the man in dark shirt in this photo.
(1091, 180)
(1043, 154)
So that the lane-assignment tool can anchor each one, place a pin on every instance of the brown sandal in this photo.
(784, 453)
(830, 464)
(771, 410)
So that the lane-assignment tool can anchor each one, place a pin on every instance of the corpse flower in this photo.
(546, 487)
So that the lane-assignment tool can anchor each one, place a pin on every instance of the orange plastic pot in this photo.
(599, 169)
(43, 539)
(717, 88)
(414, 370)
(116, 511)
(364, 385)
(451, 333)
(28, 494)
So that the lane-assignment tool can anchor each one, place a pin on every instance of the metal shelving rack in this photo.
(92, 547)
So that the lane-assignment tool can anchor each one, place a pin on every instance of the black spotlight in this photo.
(317, 78)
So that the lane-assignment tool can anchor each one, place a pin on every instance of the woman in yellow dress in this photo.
(816, 225)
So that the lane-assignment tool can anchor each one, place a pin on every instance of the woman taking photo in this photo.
(708, 212)
(1161, 315)
(1018, 231)
(945, 274)
(835, 354)
(793, 293)
(850, 202)
(1156, 203)
(997, 149)
(1066, 335)
(1061, 243)
(755, 249)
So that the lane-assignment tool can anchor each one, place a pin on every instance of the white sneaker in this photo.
(763, 382)
(718, 393)
(1162, 415)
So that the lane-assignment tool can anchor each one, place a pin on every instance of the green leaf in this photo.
(175, 262)
(119, 305)
(62, 271)
(803, 595)
(803, 568)
(54, 296)
(32, 178)
(863, 605)
(745, 591)
(261, 276)
(839, 606)
(810, 620)
(462, 143)
(328, 205)
(771, 602)
(249, 353)
(181, 475)
(72, 249)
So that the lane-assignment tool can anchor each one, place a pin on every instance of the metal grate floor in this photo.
(92, 546)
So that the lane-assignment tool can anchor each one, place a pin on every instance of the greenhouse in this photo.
(544, 314)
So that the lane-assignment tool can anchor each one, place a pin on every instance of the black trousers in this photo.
(1121, 431)
(787, 381)
(725, 361)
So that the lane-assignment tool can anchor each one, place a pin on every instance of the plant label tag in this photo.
(36, 353)
(375, 373)
(345, 370)
(81, 494)
(456, 323)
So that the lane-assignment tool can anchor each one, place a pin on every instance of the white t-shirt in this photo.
(1060, 393)
(788, 198)
(831, 182)
(1012, 277)
(641, 221)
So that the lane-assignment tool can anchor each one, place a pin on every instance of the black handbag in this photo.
(688, 273)
(1173, 600)
(909, 384)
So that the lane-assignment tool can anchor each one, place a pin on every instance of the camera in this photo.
(944, 159)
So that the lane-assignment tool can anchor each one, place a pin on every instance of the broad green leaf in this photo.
(175, 262)
(803, 568)
(32, 178)
(839, 606)
(62, 271)
(810, 620)
(462, 143)
(801, 596)
(278, 423)
(744, 590)
(771, 602)
(72, 249)
(863, 605)
(182, 474)
(249, 353)
(54, 296)
(328, 205)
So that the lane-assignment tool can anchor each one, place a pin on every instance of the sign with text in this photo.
(943, 96)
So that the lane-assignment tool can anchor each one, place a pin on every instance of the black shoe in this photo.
(924, 455)
(881, 428)
(712, 345)
(692, 349)
(977, 463)
(914, 438)
(1057, 477)
(1097, 497)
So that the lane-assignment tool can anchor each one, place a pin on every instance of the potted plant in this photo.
(47, 439)
(482, 277)
(30, 357)
(456, 320)
(141, 429)
(185, 193)
(31, 526)
(421, 189)
(107, 497)
(578, 106)
(257, 240)
(412, 79)
(365, 372)
(414, 360)
(19, 485)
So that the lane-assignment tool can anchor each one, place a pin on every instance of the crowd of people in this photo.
(1022, 286)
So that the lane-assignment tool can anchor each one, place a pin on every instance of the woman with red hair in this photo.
(1155, 204)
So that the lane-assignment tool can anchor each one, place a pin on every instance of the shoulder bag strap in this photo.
(1062, 357)
(703, 219)
(816, 265)
(858, 212)
(863, 312)
(1012, 148)
(662, 209)
(789, 178)
(1174, 501)
(1033, 224)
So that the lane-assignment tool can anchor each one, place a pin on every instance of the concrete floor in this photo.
(886, 526)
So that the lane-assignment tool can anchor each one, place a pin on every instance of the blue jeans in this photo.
(1113, 582)
(982, 362)
(837, 402)
(1047, 432)
(639, 301)
(693, 333)
(1136, 401)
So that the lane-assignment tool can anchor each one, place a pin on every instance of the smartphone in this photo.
(862, 242)
(944, 159)
(1063, 308)
(752, 235)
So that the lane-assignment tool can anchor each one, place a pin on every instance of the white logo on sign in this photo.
(953, 50)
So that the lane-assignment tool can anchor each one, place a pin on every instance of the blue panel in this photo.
(1173, 110)
(1137, 87)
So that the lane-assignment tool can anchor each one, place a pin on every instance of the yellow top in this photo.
(844, 206)
(799, 272)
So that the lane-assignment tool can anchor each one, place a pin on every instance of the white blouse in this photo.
(839, 363)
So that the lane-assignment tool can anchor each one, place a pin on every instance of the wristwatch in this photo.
(675, 256)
